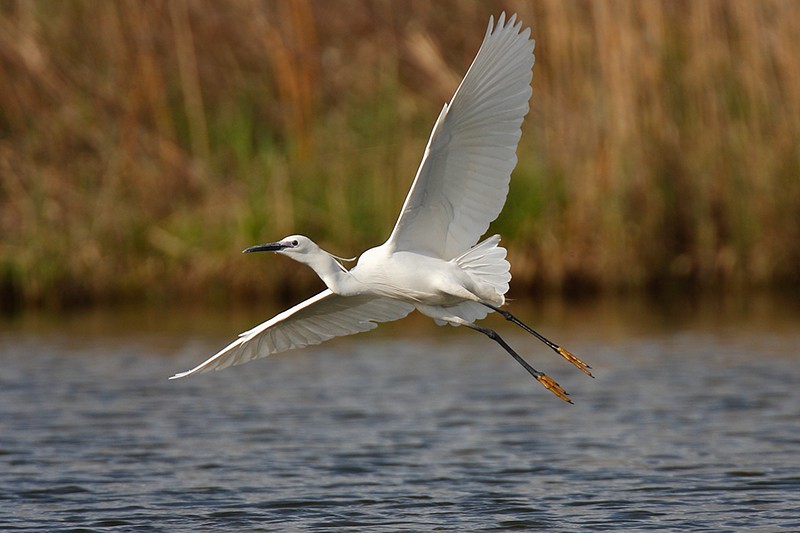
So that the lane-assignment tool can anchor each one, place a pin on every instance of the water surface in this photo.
(692, 423)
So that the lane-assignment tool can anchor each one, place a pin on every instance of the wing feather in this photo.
(462, 182)
(313, 321)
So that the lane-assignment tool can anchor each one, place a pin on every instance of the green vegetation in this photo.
(143, 144)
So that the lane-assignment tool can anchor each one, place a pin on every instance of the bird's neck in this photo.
(338, 279)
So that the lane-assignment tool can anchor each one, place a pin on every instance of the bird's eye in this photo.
(295, 243)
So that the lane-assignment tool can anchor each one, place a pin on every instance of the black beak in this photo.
(268, 247)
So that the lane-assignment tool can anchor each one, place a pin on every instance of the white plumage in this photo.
(462, 183)
(432, 260)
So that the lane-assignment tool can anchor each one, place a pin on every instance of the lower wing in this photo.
(313, 321)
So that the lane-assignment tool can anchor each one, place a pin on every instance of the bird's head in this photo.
(293, 246)
(303, 250)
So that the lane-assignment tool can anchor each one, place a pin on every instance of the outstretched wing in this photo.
(462, 182)
(313, 321)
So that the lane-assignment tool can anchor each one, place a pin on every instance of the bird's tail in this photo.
(486, 263)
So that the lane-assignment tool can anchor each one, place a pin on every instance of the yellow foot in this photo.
(575, 361)
(553, 387)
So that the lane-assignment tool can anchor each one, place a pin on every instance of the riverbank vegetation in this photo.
(144, 144)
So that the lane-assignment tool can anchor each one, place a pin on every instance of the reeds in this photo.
(142, 144)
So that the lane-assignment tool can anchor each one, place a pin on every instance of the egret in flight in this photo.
(432, 261)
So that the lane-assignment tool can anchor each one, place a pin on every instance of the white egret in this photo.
(432, 261)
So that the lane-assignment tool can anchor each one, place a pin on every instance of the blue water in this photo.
(693, 426)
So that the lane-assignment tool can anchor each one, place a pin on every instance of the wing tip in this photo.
(512, 23)
(199, 369)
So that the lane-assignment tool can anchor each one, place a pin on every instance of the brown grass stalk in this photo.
(142, 144)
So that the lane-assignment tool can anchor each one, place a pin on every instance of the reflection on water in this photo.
(692, 422)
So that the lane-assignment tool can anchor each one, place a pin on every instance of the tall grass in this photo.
(142, 144)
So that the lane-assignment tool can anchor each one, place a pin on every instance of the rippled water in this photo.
(690, 424)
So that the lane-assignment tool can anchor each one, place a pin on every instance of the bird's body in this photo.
(432, 261)
(395, 275)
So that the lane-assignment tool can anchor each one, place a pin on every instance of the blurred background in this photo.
(144, 144)
(653, 226)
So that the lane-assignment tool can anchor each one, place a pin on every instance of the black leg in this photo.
(558, 349)
(541, 377)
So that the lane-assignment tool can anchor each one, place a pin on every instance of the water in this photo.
(692, 423)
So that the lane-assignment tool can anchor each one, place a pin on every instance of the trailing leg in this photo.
(558, 349)
(541, 377)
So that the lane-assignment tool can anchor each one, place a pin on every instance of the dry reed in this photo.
(142, 144)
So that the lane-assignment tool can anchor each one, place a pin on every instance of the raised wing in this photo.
(462, 182)
(313, 321)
